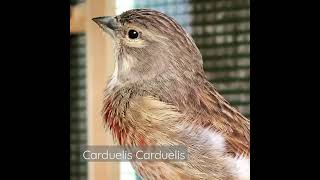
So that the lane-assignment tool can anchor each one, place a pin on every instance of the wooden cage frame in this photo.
(100, 64)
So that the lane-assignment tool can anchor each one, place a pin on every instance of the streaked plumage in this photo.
(159, 95)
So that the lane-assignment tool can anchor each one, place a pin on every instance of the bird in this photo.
(159, 95)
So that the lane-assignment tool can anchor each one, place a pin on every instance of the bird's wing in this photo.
(160, 123)
(237, 139)
(227, 120)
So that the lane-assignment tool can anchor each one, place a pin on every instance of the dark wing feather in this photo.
(227, 120)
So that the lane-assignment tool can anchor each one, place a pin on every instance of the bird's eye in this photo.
(133, 34)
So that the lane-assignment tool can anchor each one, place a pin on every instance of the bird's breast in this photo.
(119, 127)
(114, 123)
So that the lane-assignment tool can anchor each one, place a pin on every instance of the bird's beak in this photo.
(106, 22)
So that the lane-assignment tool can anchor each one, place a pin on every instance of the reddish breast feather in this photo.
(141, 141)
(113, 123)
(119, 131)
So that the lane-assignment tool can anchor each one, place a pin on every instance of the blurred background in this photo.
(221, 30)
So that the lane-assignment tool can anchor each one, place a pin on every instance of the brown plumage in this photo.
(159, 95)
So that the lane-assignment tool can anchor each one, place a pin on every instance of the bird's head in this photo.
(149, 43)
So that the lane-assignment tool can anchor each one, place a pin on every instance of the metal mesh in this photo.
(78, 118)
